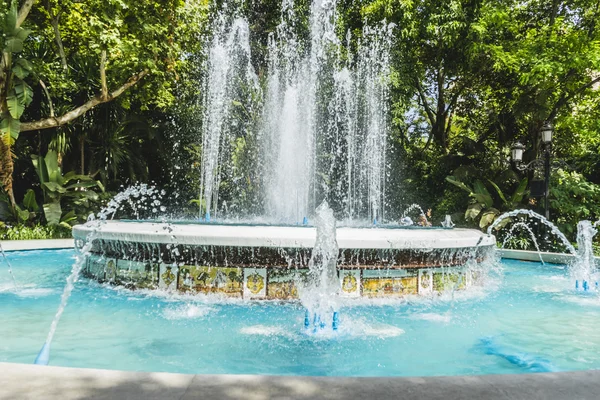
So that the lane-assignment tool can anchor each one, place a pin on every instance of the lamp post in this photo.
(517, 150)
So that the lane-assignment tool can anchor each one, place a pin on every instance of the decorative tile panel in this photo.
(255, 283)
(350, 282)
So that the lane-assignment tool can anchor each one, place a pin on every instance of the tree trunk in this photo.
(82, 153)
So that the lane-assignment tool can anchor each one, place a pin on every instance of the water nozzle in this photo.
(43, 356)
(334, 324)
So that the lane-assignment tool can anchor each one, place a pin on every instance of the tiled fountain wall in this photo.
(273, 282)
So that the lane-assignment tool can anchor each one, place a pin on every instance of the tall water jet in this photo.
(319, 292)
(324, 124)
(584, 267)
(229, 79)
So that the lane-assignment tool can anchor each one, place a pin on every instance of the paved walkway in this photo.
(43, 244)
(21, 381)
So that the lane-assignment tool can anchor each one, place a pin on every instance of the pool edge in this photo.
(24, 381)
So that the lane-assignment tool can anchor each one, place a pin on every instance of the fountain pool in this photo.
(527, 318)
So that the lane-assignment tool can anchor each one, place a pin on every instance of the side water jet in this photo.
(541, 218)
(10, 271)
(137, 198)
(44, 355)
(319, 293)
(531, 235)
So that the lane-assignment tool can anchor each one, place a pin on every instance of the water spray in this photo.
(9, 266)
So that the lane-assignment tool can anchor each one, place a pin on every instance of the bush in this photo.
(23, 232)
(573, 199)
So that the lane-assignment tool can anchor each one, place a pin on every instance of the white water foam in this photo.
(187, 311)
(433, 317)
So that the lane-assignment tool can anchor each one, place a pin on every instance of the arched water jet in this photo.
(539, 217)
(531, 235)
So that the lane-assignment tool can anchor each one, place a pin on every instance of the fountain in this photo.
(323, 129)
(583, 266)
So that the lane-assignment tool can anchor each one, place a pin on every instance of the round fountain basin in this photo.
(284, 236)
(268, 262)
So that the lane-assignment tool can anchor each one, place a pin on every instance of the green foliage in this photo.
(483, 208)
(25, 232)
(70, 190)
(573, 198)
(16, 93)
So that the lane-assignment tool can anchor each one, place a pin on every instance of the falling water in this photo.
(585, 264)
(318, 294)
(229, 78)
(324, 124)
(523, 225)
(539, 217)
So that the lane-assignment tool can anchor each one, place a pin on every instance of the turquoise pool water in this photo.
(528, 318)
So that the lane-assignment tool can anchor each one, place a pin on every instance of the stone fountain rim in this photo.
(273, 236)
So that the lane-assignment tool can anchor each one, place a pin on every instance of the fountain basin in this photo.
(268, 261)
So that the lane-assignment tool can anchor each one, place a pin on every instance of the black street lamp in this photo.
(517, 150)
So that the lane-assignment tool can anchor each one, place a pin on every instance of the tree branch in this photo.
(565, 99)
(54, 122)
(59, 43)
(425, 103)
(24, 11)
(43, 85)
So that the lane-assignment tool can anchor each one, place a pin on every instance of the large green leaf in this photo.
(10, 126)
(23, 215)
(15, 107)
(10, 22)
(488, 217)
(52, 212)
(29, 201)
(21, 33)
(25, 64)
(473, 211)
(20, 72)
(72, 176)
(24, 93)
(79, 185)
(500, 194)
(13, 45)
(481, 194)
(51, 161)
(54, 187)
(458, 183)
(518, 195)
(68, 220)
(40, 167)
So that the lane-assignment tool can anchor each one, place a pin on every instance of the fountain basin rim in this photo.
(281, 236)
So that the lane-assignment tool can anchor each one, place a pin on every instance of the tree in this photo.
(126, 41)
